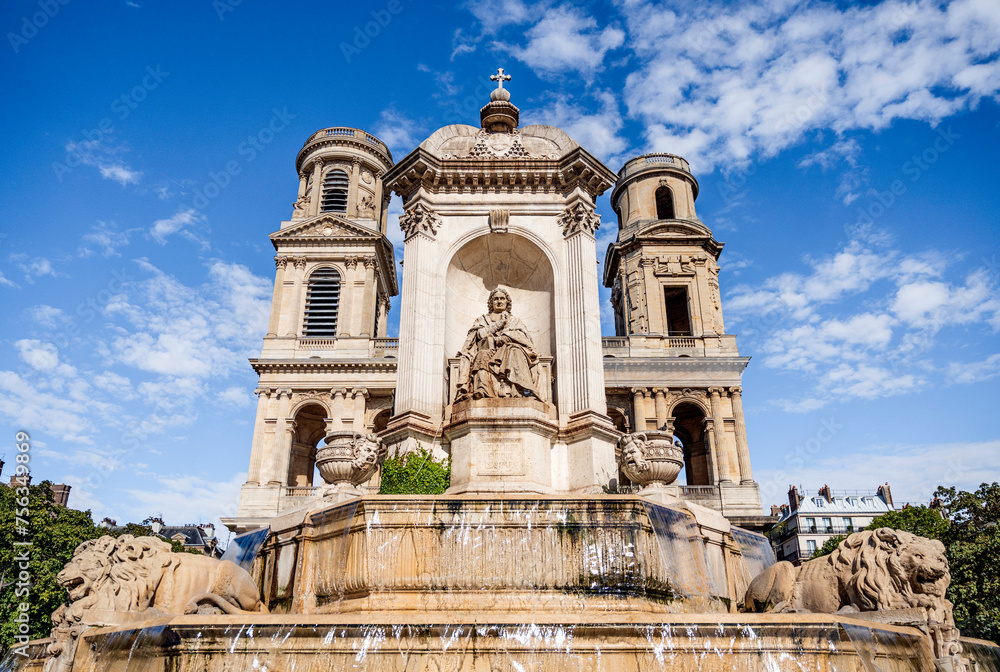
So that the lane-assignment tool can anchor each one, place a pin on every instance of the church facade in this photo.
(500, 361)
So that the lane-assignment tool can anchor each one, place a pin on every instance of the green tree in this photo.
(829, 546)
(415, 473)
(924, 521)
(53, 533)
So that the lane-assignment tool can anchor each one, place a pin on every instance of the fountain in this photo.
(527, 562)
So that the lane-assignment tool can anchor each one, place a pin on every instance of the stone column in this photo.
(279, 286)
(257, 447)
(721, 447)
(661, 407)
(383, 316)
(654, 297)
(360, 397)
(345, 317)
(742, 448)
(368, 299)
(317, 194)
(292, 327)
(352, 190)
(701, 300)
(282, 440)
(303, 181)
(708, 435)
(639, 408)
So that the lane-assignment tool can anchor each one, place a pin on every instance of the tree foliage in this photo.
(53, 532)
(416, 473)
(968, 524)
(829, 546)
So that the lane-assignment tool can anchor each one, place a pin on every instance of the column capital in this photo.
(736, 390)
(639, 390)
(284, 392)
(660, 390)
(317, 164)
(300, 262)
(262, 390)
(363, 391)
(369, 262)
(281, 262)
(716, 391)
(351, 262)
(355, 162)
(302, 175)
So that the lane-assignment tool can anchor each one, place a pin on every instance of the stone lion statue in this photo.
(873, 570)
(110, 577)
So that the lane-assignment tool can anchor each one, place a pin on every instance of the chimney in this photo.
(825, 493)
(60, 494)
(775, 510)
(794, 498)
(886, 495)
(20, 481)
(1, 466)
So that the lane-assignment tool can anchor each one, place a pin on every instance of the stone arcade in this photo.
(536, 558)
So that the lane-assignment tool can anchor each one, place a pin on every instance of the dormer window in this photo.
(664, 203)
(322, 304)
(335, 186)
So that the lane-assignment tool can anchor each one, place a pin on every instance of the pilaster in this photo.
(317, 192)
(279, 286)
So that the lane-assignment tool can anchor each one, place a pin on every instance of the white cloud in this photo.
(397, 131)
(106, 236)
(38, 355)
(857, 321)
(186, 498)
(162, 228)
(34, 267)
(106, 157)
(975, 372)
(912, 471)
(598, 132)
(236, 396)
(183, 332)
(44, 315)
(566, 40)
(726, 83)
(32, 408)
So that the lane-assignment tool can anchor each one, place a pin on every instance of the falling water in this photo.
(243, 549)
(983, 656)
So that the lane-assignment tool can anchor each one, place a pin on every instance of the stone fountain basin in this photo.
(485, 642)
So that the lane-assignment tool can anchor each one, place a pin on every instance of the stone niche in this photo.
(501, 444)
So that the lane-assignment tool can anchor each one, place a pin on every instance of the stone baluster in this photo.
(742, 447)
(721, 445)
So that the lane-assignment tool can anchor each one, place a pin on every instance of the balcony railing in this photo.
(299, 491)
(356, 133)
(386, 347)
(654, 340)
(657, 158)
(317, 343)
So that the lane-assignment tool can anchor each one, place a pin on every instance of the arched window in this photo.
(322, 304)
(664, 203)
(335, 186)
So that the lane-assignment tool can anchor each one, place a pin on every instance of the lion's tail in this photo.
(221, 603)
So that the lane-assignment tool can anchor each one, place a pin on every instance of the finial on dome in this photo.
(499, 115)
(500, 93)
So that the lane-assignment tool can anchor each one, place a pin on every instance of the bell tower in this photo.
(325, 364)
(671, 365)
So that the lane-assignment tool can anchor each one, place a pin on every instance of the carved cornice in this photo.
(419, 219)
(579, 219)
(577, 169)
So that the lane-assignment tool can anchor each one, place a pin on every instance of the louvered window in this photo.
(322, 303)
(335, 186)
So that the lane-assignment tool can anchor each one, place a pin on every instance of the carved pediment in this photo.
(325, 226)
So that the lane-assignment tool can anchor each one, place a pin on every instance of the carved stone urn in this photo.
(349, 459)
(650, 458)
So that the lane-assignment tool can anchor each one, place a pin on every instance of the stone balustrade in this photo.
(655, 159)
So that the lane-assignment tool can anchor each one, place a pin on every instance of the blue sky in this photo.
(846, 154)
